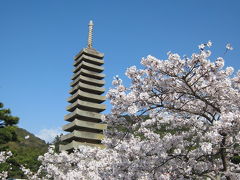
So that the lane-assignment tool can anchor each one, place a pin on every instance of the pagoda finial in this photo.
(90, 31)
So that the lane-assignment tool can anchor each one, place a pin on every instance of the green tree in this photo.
(57, 142)
(6, 119)
(7, 133)
(7, 126)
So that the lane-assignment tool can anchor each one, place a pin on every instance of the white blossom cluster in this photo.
(84, 163)
(3, 157)
(179, 119)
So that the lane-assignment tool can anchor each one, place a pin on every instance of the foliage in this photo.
(25, 151)
(7, 134)
(56, 142)
(7, 123)
(6, 119)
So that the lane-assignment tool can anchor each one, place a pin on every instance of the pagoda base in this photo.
(74, 145)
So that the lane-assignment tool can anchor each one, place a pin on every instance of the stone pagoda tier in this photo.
(85, 126)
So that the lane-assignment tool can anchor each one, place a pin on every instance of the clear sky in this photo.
(39, 38)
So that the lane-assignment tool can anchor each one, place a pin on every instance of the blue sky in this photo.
(39, 38)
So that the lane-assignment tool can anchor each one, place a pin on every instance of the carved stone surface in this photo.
(85, 126)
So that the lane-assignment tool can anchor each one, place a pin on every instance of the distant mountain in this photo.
(25, 152)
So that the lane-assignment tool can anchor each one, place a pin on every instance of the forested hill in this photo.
(25, 151)
(27, 140)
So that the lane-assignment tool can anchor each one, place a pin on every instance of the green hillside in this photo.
(25, 151)
(32, 142)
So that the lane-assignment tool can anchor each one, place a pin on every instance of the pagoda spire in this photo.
(90, 33)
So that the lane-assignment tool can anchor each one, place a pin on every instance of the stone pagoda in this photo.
(85, 126)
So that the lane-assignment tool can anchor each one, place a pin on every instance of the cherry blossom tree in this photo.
(184, 118)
